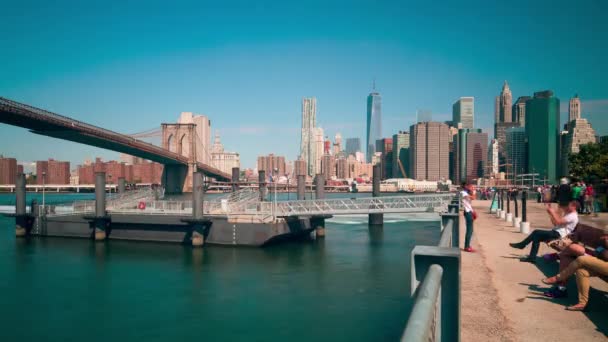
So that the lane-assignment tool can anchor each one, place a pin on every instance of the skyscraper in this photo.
(424, 115)
(374, 123)
(503, 105)
(401, 154)
(463, 112)
(574, 111)
(542, 131)
(519, 110)
(471, 146)
(337, 143)
(318, 148)
(309, 122)
(515, 150)
(579, 133)
(429, 151)
(353, 145)
(271, 162)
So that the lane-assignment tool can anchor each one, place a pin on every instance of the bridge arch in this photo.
(171, 145)
(184, 145)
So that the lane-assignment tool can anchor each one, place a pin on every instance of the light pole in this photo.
(274, 180)
(43, 192)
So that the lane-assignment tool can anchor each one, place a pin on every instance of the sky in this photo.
(129, 66)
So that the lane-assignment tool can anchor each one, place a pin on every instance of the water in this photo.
(353, 285)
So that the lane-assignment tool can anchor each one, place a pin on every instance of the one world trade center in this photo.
(374, 122)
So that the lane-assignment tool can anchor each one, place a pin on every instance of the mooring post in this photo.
(319, 222)
(198, 193)
(101, 219)
(235, 178)
(262, 184)
(23, 221)
(525, 225)
(121, 185)
(376, 218)
(301, 187)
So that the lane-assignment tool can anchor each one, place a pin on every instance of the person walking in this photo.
(589, 199)
(468, 195)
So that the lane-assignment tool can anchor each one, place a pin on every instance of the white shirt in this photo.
(567, 228)
(466, 201)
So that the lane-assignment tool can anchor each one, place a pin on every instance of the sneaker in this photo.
(517, 245)
(556, 292)
(469, 249)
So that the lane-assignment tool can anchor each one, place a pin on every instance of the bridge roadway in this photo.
(43, 122)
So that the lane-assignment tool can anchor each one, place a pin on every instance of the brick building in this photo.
(55, 171)
(8, 170)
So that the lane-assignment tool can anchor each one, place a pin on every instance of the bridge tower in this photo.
(181, 139)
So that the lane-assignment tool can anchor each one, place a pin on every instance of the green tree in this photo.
(591, 162)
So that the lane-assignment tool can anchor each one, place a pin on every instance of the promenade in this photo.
(502, 297)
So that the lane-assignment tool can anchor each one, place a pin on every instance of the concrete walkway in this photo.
(502, 298)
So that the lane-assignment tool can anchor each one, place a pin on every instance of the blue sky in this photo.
(129, 66)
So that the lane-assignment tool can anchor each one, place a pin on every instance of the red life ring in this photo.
(141, 205)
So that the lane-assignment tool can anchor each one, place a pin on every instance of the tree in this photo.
(591, 162)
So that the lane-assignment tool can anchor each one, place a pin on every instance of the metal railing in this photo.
(435, 278)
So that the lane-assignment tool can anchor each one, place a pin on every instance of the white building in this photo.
(317, 151)
(307, 142)
(222, 160)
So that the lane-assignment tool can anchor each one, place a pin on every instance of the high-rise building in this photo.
(353, 145)
(463, 112)
(55, 172)
(519, 111)
(401, 154)
(468, 163)
(452, 136)
(318, 150)
(492, 159)
(300, 168)
(515, 151)
(579, 133)
(203, 136)
(374, 123)
(8, 170)
(271, 162)
(429, 151)
(307, 145)
(337, 143)
(221, 159)
(501, 138)
(542, 132)
(503, 105)
(574, 110)
(385, 147)
(342, 171)
(424, 115)
(328, 166)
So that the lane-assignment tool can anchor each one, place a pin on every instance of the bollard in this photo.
(515, 203)
(525, 225)
(262, 184)
(376, 219)
(235, 178)
(301, 187)
(508, 216)
(319, 222)
(101, 220)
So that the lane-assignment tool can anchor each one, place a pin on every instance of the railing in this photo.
(435, 315)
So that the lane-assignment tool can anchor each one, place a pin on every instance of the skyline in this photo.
(248, 69)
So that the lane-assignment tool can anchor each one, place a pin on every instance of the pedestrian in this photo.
(468, 195)
(589, 199)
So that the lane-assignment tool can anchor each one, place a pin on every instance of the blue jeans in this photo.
(468, 217)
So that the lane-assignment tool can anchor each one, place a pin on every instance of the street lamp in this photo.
(274, 180)
(43, 192)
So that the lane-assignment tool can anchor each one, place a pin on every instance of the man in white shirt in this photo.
(564, 225)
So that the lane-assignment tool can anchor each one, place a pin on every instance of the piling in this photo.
(101, 219)
(301, 187)
(121, 185)
(262, 184)
(198, 193)
(235, 178)
(376, 219)
(23, 221)
(319, 222)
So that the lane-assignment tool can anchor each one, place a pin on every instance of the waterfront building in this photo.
(318, 149)
(374, 122)
(203, 136)
(300, 168)
(145, 172)
(360, 156)
(574, 109)
(502, 107)
(271, 162)
(424, 115)
(401, 156)
(542, 132)
(515, 150)
(463, 112)
(8, 170)
(377, 158)
(519, 111)
(57, 172)
(342, 168)
(429, 151)
(223, 160)
(328, 166)
(579, 133)
(353, 145)
(471, 146)
(307, 142)
(385, 147)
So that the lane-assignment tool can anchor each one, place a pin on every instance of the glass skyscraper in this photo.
(374, 123)
(516, 150)
(353, 145)
(463, 112)
(542, 132)
(309, 119)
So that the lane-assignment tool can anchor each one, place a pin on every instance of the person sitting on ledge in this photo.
(564, 225)
(584, 267)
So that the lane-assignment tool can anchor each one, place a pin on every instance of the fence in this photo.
(435, 315)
